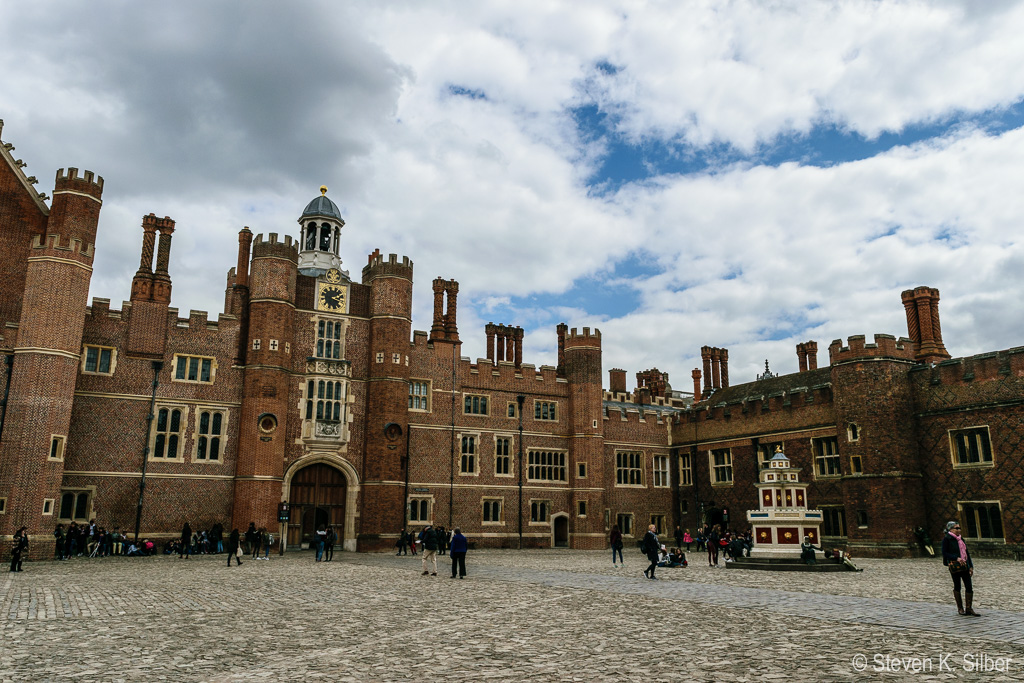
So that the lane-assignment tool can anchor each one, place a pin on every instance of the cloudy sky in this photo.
(747, 175)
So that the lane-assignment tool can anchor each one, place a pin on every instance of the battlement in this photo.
(272, 246)
(575, 339)
(70, 244)
(165, 224)
(755, 406)
(983, 367)
(886, 346)
(377, 266)
(89, 183)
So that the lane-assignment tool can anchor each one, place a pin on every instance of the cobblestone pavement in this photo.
(531, 615)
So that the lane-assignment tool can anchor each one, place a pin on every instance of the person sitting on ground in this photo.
(148, 547)
(807, 551)
(663, 557)
(677, 558)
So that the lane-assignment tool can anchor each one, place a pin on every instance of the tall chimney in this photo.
(696, 384)
(617, 381)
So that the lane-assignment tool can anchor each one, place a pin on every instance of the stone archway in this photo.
(321, 490)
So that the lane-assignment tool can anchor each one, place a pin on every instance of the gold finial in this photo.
(323, 189)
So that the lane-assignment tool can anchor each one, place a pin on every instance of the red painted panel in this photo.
(789, 535)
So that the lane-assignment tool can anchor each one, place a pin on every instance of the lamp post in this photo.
(158, 365)
(520, 399)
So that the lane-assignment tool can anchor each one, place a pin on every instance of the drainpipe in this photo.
(157, 367)
(520, 399)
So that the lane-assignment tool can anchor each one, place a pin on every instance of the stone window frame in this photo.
(222, 436)
(558, 465)
(964, 507)
(76, 492)
(48, 505)
(984, 445)
(581, 507)
(853, 432)
(3, 505)
(627, 528)
(629, 469)
(177, 360)
(862, 519)
(512, 411)
(720, 473)
(658, 520)
(425, 396)
(100, 349)
(825, 461)
(856, 465)
(508, 456)
(545, 411)
(469, 461)
(540, 505)
(487, 510)
(330, 335)
(58, 443)
(581, 470)
(841, 510)
(181, 433)
(661, 473)
(419, 500)
(476, 404)
(685, 469)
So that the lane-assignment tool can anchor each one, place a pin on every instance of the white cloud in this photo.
(221, 119)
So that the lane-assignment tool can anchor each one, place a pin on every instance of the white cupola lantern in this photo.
(320, 236)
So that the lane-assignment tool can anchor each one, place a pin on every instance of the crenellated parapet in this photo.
(378, 266)
(63, 243)
(88, 183)
(995, 366)
(885, 347)
(583, 340)
(274, 247)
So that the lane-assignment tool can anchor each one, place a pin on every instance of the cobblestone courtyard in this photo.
(532, 615)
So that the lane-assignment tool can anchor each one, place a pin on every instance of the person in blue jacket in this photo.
(458, 549)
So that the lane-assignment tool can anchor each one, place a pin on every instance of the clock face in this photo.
(331, 297)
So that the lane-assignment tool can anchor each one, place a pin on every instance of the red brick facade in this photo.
(348, 415)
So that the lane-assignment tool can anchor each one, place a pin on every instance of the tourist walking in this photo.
(319, 540)
(235, 547)
(268, 540)
(687, 539)
(651, 546)
(59, 542)
(429, 538)
(712, 539)
(402, 542)
(330, 538)
(956, 556)
(18, 548)
(185, 549)
(457, 550)
(250, 537)
(256, 543)
(615, 540)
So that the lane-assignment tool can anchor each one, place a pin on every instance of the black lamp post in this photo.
(158, 365)
(520, 400)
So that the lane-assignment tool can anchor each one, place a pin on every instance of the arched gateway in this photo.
(318, 494)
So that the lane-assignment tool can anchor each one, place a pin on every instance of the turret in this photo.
(48, 354)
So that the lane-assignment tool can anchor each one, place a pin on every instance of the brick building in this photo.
(312, 389)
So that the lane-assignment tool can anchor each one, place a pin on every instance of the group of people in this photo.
(323, 542)
(433, 541)
(407, 540)
(92, 540)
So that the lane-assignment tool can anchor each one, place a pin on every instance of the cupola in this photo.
(320, 236)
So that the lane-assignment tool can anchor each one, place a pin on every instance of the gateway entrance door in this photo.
(317, 498)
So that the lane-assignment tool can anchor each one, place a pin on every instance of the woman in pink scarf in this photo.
(956, 557)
